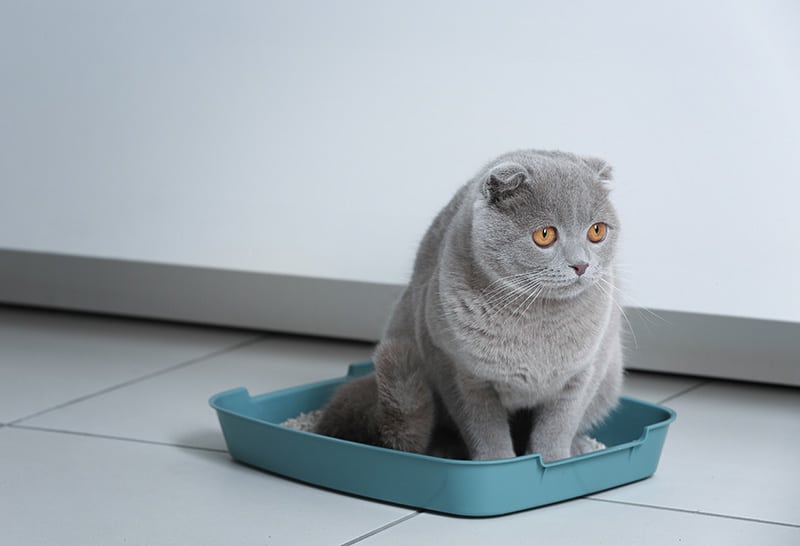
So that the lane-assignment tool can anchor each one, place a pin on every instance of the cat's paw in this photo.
(585, 444)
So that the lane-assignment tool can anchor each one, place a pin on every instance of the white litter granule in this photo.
(305, 421)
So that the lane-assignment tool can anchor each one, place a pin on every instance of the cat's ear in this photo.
(600, 167)
(501, 181)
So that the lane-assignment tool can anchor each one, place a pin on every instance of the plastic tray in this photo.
(634, 434)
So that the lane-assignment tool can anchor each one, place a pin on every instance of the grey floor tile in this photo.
(582, 522)
(655, 387)
(173, 407)
(47, 359)
(64, 489)
(733, 450)
(728, 474)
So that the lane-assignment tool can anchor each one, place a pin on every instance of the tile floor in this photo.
(106, 438)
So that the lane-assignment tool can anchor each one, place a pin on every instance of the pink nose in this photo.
(580, 268)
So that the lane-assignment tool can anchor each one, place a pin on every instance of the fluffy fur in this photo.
(497, 342)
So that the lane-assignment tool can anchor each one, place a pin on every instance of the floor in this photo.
(106, 438)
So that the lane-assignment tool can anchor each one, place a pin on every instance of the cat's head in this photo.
(547, 215)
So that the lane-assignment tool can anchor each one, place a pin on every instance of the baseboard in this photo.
(742, 349)
(661, 341)
(263, 301)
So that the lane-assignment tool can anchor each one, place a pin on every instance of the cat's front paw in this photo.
(585, 444)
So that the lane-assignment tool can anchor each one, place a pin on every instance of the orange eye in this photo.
(597, 232)
(545, 236)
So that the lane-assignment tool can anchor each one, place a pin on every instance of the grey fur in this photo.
(491, 324)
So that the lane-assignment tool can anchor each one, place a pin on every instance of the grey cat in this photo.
(509, 318)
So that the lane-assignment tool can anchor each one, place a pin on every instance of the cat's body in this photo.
(494, 323)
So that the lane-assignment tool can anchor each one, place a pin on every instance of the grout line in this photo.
(696, 512)
(156, 373)
(685, 391)
(383, 528)
(118, 438)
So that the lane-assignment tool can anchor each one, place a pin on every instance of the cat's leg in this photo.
(556, 423)
(604, 399)
(405, 410)
(481, 419)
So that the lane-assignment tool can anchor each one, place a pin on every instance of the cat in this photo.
(509, 322)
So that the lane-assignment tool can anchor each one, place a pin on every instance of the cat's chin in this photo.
(568, 291)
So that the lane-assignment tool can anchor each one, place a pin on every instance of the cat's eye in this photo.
(597, 232)
(545, 236)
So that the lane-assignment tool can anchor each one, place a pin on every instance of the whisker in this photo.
(620, 271)
(506, 282)
(610, 295)
(499, 299)
(513, 292)
(532, 284)
(508, 292)
(536, 293)
(499, 293)
(532, 293)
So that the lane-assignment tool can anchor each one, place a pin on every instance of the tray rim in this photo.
(255, 399)
(462, 488)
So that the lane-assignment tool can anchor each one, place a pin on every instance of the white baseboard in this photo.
(677, 342)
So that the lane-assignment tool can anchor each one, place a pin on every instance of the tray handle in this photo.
(358, 369)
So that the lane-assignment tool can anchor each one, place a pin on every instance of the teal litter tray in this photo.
(634, 434)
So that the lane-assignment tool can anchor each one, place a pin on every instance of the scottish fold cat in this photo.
(507, 334)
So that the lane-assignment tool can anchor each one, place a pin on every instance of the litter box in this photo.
(634, 435)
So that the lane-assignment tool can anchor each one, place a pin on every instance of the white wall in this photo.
(320, 138)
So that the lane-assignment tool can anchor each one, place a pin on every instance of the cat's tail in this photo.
(391, 408)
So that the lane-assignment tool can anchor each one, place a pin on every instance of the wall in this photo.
(319, 138)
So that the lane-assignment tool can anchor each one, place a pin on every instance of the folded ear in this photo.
(501, 180)
(599, 166)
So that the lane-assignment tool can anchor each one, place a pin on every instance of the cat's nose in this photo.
(580, 268)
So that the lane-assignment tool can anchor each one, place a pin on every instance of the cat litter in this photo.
(634, 435)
